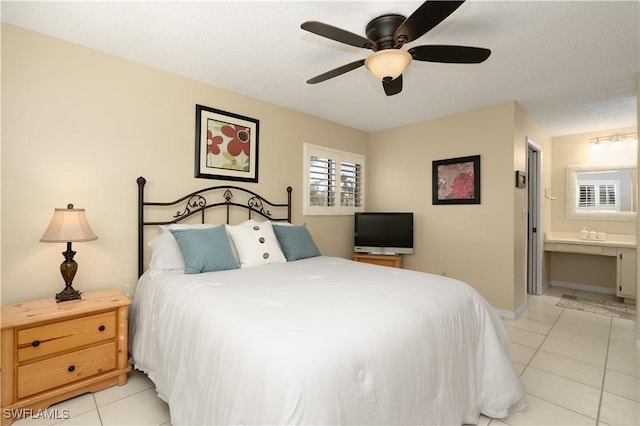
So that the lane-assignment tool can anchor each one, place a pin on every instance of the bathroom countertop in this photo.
(612, 240)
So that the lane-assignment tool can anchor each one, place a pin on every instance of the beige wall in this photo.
(80, 126)
(1, 162)
(638, 236)
(528, 131)
(596, 271)
(482, 245)
(574, 150)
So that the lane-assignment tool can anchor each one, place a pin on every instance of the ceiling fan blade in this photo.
(336, 72)
(392, 87)
(424, 19)
(337, 34)
(450, 54)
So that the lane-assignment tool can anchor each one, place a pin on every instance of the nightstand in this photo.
(395, 260)
(54, 351)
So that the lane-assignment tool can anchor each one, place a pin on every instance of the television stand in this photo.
(392, 260)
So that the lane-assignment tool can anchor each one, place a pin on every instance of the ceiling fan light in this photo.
(388, 64)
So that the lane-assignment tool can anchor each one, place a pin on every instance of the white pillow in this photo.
(256, 244)
(165, 252)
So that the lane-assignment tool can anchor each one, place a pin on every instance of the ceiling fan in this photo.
(387, 34)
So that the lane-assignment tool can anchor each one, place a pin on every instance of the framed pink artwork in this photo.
(456, 180)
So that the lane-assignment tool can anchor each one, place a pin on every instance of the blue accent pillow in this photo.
(205, 250)
(296, 242)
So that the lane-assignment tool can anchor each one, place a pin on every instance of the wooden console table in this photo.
(394, 261)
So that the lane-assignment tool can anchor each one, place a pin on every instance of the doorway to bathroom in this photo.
(534, 231)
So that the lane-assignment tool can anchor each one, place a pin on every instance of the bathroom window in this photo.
(601, 192)
(599, 195)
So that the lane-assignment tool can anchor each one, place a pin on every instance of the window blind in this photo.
(322, 189)
(607, 195)
(334, 181)
(587, 196)
(598, 196)
(350, 184)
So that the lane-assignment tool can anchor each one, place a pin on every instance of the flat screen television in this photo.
(383, 233)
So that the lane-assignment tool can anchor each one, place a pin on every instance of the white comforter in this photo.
(322, 341)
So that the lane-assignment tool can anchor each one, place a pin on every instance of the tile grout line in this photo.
(541, 343)
(604, 374)
(538, 350)
(533, 356)
(58, 422)
(123, 398)
(98, 410)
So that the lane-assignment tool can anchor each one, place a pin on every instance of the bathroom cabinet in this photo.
(626, 277)
(623, 247)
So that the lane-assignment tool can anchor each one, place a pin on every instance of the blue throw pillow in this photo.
(205, 250)
(296, 242)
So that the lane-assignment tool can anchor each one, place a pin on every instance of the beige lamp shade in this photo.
(388, 64)
(68, 225)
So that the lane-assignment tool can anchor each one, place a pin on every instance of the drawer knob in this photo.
(102, 328)
(71, 368)
(35, 343)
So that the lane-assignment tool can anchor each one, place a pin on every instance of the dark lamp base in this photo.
(69, 293)
(68, 269)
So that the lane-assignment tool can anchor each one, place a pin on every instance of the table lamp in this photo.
(68, 226)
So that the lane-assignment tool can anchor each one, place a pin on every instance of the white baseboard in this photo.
(512, 315)
(520, 309)
(506, 314)
(583, 287)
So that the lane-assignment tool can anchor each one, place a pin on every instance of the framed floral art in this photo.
(226, 145)
(456, 180)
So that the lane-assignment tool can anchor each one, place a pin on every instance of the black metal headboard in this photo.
(195, 202)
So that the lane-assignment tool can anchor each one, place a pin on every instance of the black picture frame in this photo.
(226, 145)
(456, 180)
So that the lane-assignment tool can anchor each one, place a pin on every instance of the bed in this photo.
(312, 339)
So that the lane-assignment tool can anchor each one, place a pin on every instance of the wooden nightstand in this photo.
(54, 351)
(395, 261)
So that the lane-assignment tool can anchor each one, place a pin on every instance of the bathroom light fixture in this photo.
(618, 137)
(388, 64)
(67, 226)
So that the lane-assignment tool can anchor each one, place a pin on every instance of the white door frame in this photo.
(535, 244)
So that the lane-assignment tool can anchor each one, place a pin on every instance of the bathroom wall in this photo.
(576, 150)
(638, 238)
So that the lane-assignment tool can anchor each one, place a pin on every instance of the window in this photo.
(334, 181)
(607, 195)
(598, 195)
(587, 196)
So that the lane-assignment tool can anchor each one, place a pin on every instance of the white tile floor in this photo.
(578, 369)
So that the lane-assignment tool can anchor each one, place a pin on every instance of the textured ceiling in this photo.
(573, 66)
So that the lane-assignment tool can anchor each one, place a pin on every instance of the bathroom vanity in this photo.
(620, 246)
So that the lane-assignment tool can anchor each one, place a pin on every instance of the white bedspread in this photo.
(322, 341)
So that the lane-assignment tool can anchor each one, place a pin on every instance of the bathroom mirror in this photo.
(606, 192)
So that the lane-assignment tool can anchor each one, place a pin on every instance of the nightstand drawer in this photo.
(48, 339)
(50, 373)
